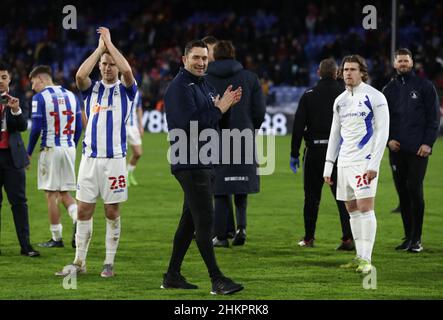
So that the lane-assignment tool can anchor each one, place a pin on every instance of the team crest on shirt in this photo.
(414, 94)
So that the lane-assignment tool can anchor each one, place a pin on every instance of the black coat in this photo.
(413, 110)
(190, 98)
(313, 117)
(248, 113)
(15, 125)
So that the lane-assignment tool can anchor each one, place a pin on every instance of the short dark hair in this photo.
(210, 40)
(41, 69)
(194, 44)
(224, 50)
(4, 66)
(403, 52)
(328, 68)
(361, 62)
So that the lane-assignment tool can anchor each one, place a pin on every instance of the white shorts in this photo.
(352, 183)
(56, 169)
(133, 134)
(102, 177)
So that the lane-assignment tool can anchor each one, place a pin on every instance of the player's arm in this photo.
(78, 122)
(333, 146)
(381, 134)
(122, 64)
(37, 124)
(82, 79)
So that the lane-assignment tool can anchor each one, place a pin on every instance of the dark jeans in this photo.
(313, 166)
(14, 182)
(222, 214)
(410, 173)
(197, 215)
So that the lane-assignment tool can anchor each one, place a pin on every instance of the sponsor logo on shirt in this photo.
(98, 108)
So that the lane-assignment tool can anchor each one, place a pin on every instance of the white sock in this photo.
(130, 167)
(368, 231)
(355, 222)
(112, 239)
(82, 239)
(72, 210)
(56, 231)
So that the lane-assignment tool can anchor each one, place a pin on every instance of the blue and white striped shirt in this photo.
(56, 115)
(107, 109)
(136, 104)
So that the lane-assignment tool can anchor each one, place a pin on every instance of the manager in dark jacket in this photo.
(238, 178)
(13, 160)
(192, 106)
(312, 122)
(414, 122)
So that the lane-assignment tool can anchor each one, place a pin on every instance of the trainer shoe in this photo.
(74, 230)
(364, 267)
(224, 285)
(415, 247)
(352, 264)
(239, 238)
(176, 281)
(306, 243)
(230, 234)
(216, 242)
(131, 179)
(71, 268)
(108, 271)
(52, 244)
(346, 245)
(404, 245)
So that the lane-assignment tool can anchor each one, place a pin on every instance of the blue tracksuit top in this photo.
(190, 98)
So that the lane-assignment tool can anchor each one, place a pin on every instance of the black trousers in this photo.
(197, 216)
(222, 214)
(394, 171)
(410, 173)
(313, 167)
(14, 182)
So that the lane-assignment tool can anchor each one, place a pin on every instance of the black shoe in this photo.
(346, 245)
(223, 285)
(239, 238)
(404, 245)
(52, 244)
(396, 210)
(176, 281)
(73, 236)
(415, 247)
(216, 242)
(230, 234)
(30, 252)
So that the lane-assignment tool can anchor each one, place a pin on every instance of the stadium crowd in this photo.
(282, 42)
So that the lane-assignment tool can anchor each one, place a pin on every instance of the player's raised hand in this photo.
(101, 44)
(105, 34)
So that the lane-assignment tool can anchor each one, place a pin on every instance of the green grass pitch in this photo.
(270, 265)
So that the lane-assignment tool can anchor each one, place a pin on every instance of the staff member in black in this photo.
(236, 179)
(313, 122)
(13, 160)
(414, 122)
(190, 100)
